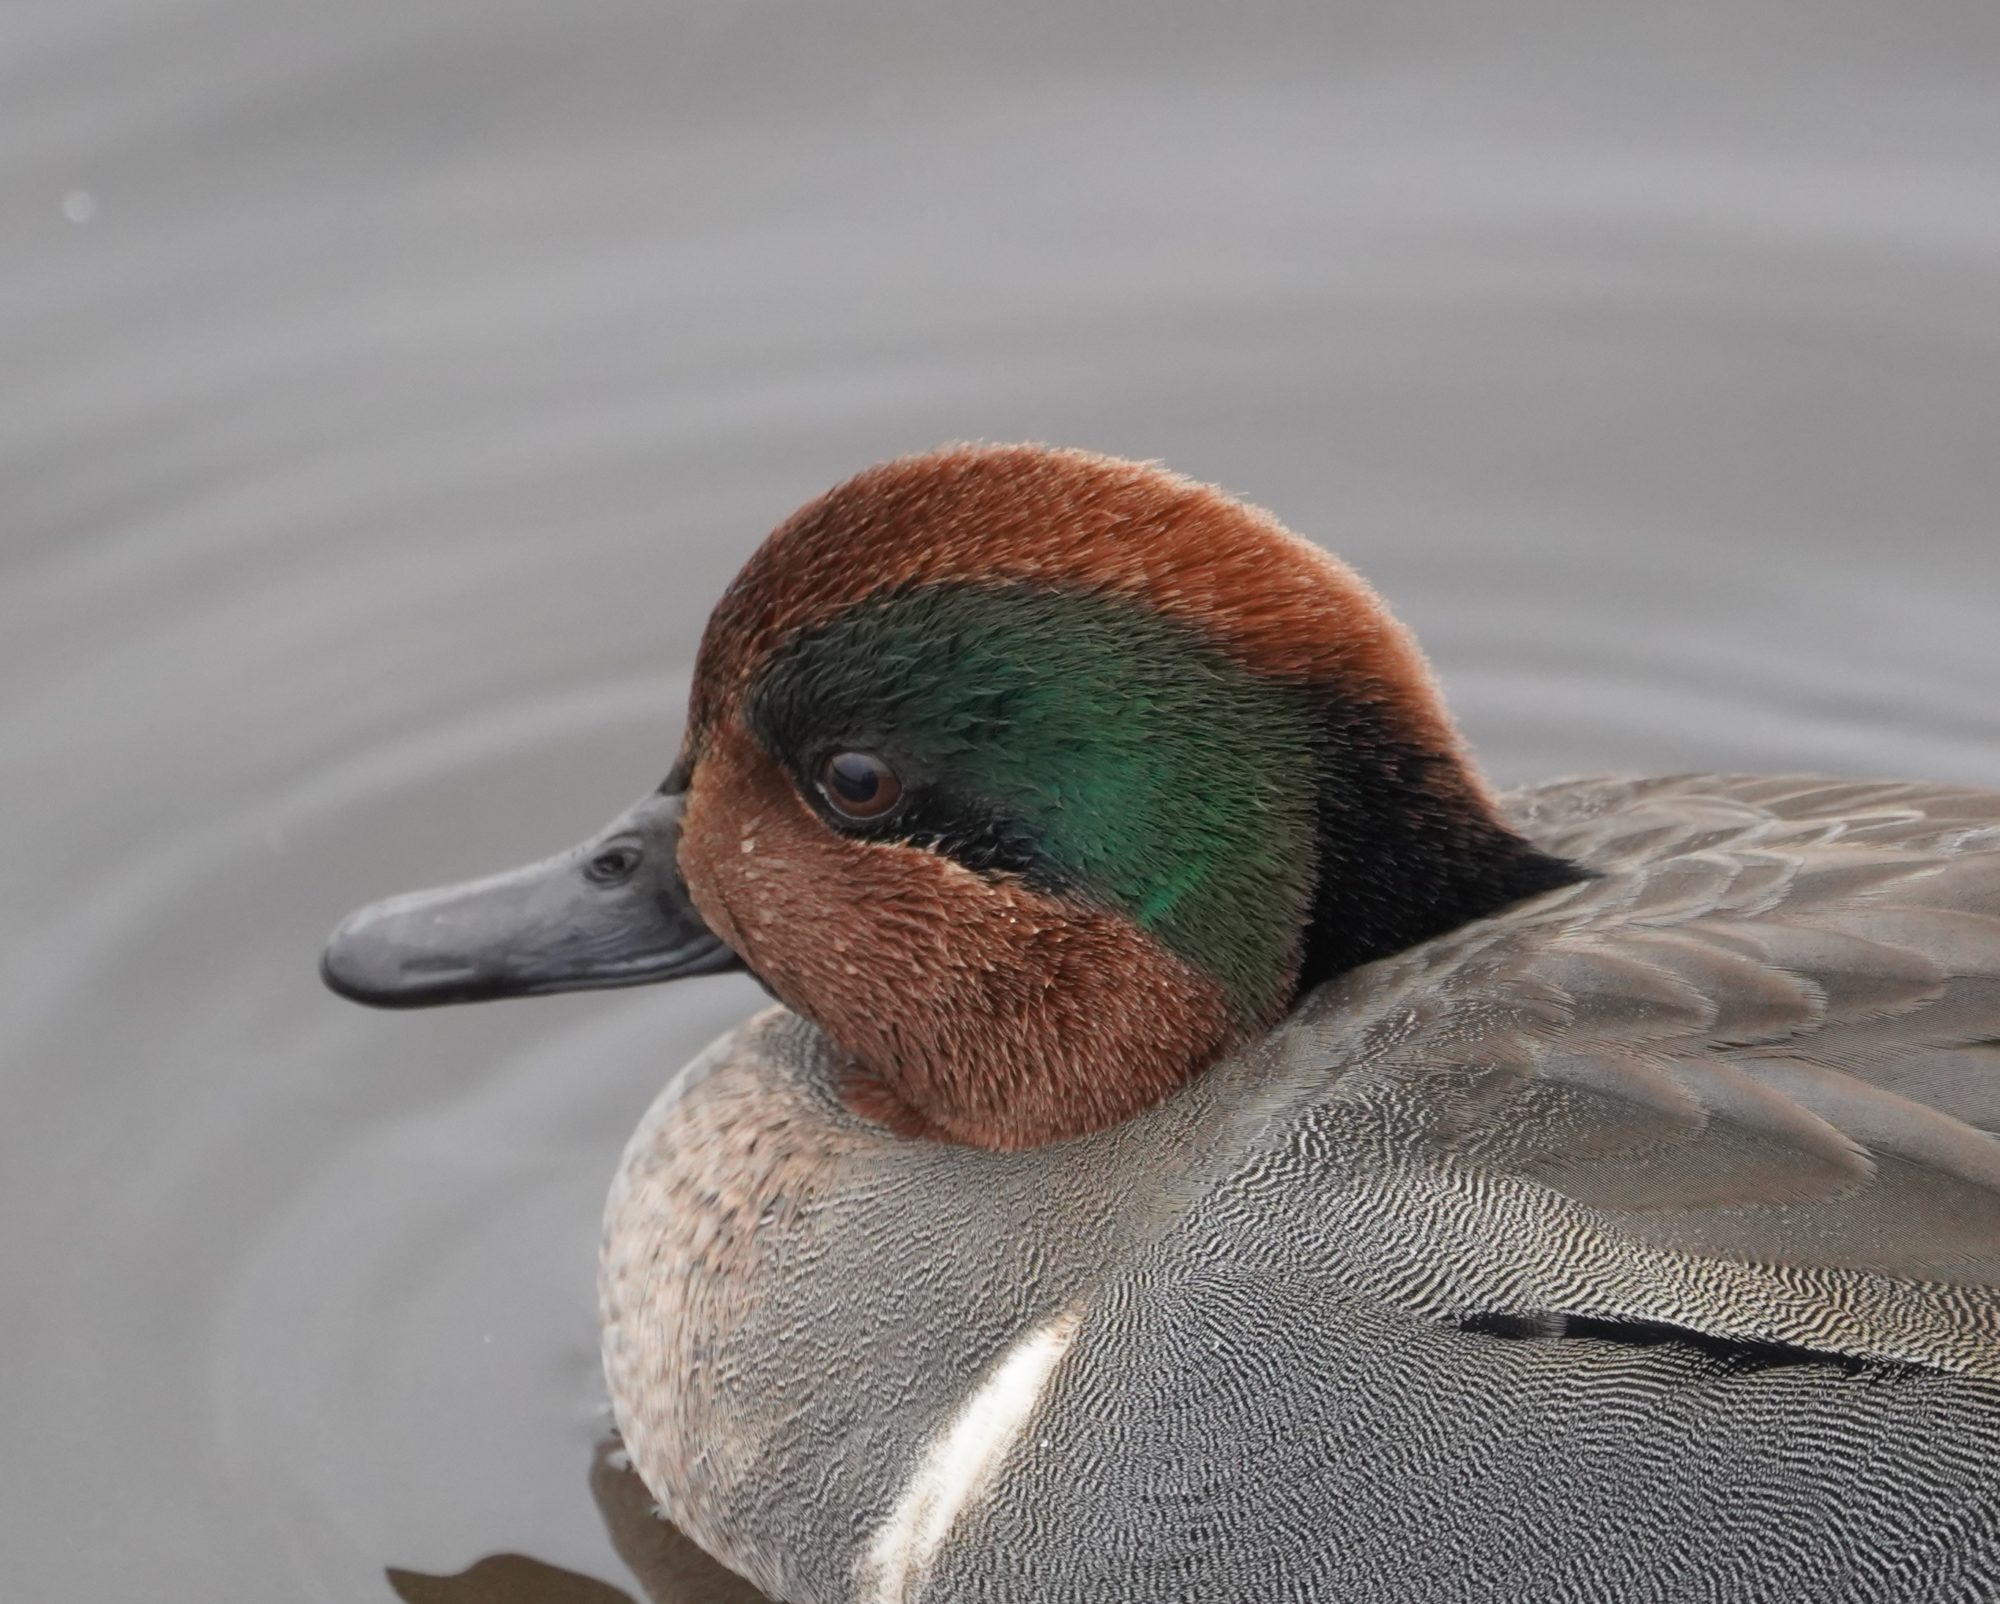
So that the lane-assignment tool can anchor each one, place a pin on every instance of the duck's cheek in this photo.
(996, 1014)
(799, 903)
(822, 919)
(729, 800)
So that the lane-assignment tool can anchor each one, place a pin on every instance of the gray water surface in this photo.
(387, 391)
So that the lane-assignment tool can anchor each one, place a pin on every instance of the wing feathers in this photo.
(1765, 1044)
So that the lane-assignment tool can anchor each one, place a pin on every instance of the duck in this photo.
(1208, 1144)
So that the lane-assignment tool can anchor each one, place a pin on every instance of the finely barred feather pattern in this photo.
(1740, 1084)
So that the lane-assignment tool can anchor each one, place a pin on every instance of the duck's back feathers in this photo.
(1741, 1083)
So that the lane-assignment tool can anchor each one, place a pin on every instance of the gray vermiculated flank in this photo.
(1740, 1084)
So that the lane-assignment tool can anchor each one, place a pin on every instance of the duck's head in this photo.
(1037, 779)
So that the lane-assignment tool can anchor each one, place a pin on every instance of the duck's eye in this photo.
(859, 785)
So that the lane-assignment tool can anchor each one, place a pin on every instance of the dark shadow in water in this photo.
(666, 1562)
(505, 1579)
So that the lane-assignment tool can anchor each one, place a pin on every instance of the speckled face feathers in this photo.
(1160, 765)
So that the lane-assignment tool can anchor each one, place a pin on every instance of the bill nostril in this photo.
(614, 863)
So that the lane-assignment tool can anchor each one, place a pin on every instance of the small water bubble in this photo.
(79, 206)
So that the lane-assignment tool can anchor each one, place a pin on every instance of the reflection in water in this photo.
(505, 1579)
(668, 1565)
(666, 1562)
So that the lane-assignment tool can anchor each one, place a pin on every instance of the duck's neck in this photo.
(1409, 846)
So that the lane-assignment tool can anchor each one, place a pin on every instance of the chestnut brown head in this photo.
(1037, 780)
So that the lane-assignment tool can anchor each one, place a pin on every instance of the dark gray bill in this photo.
(612, 912)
